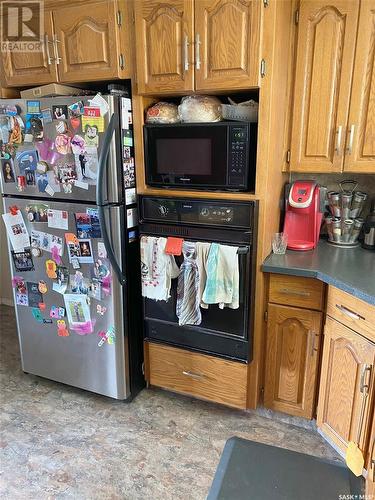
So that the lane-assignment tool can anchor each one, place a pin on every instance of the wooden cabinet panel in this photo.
(164, 39)
(293, 338)
(360, 145)
(227, 43)
(31, 68)
(347, 364)
(352, 312)
(296, 291)
(199, 375)
(87, 44)
(370, 486)
(325, 55)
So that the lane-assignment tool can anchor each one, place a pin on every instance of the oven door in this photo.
(223, 332)
(194, 155)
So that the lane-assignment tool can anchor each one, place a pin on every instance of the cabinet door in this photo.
(325, 54)
(164, 39)
(227, 44)
(32, 68)
(293, 338)
(360, 143)
(87, 41)
(370, 485)
(347, 367)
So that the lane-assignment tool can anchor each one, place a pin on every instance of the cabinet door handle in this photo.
(46, 43)
(338, 139)
(349, 149)
(364, 391)
(348, 312)
(197, 51)
(196, 376)
(300, 293)
(186, 53)
(55, 46)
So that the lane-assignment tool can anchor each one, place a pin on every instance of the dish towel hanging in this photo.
(222, 285)
(157, 268)
(187, 308)
(203, 249)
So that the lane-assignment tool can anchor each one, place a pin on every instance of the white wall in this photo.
(6, 292)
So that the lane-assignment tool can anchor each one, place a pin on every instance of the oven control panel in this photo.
(217, 214)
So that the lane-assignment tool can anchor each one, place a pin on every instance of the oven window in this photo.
(178, 156)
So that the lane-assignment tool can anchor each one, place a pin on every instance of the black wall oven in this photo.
(215, 156)
(223, 332)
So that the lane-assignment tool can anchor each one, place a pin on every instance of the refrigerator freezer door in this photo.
(94, 361)
(69, 145)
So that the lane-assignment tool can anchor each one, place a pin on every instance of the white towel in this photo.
(222, 285)
(202, 249)
(157, 268)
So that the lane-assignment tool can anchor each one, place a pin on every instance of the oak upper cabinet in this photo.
(360, 141)
(346, 378)
(164, 35)
(293, 339)
(86, 42)
(325, 55)
(34, 68)
(227, 44)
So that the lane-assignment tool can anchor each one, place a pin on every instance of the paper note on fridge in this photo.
(47, 241)
(17, 231)
(58, 219)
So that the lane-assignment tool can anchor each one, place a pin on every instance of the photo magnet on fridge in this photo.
(86, 254)
(60, 112)
(7, 169)
(33, 107)
(47, 115)
(23, 261)
(27, 160)
(35, 297)
(37, 212)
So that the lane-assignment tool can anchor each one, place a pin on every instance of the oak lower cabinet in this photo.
(292, 355)
(370, 483)
(346, 386)
(195, 374)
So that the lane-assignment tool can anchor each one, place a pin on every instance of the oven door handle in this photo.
(243, 250)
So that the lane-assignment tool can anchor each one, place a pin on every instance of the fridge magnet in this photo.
(4, 129)
(58, 219)
(95, 289)
(34, 294)
(75, 263)
(27, 160)
(54, 312)
(33, 107)
(21, 183)
(102, 252)
(75, 122)
(8, 109)
(87, 164)
(62, 144)
(42, 286)
(83, 225)
(41, 167)
(61, 127)
(108, 337)
(132, 236)
(62, 330)
(37, 314)
(42, 306)
(47, 115)
(76, 109)
(37, 212)
(16, 230)
(99, 102)
(47, 152)
(91, 135)
(30, 177)
(100, 269)
(7, 169)
(41, 182)
(7, 150)
(81, 185)
(51, 269)
(132, 217)
(128, 138)
(23, 261)
(34, 128)
(127, 152)
(101, 309)
(19, 284)
(17, 128)
(61, 312)
(77, 311)
(22, 299)
(66, 174)
(78, 145)
(106, 285)
(129, 173)
(73, 251)
(46, 241)
(36, 252)
(62, 280)
(130, 196)
(91, 111)
(79, 284)
(92, 121)
(49, 190)
(95, 231)
(60, 112)
(86, 255)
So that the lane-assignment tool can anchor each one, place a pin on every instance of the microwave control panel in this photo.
(239, 154)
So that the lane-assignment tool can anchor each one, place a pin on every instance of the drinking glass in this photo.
(279, 243)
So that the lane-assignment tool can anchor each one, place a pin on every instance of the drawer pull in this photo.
(196, 376)
(364, 389)
(300, 293)
(348, 312)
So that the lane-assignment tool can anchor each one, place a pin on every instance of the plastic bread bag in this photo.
(162, 112)
(200, 108)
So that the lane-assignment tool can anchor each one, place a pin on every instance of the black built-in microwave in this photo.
(208, 156)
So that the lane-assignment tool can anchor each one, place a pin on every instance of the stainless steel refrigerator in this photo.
(67, 167)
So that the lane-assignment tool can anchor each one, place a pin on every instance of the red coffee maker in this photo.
(303, 215)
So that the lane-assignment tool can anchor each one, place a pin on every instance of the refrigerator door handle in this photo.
(102, 171)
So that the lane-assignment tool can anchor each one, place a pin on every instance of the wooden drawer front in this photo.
(352, 312)
(196, 374)
(296, 291)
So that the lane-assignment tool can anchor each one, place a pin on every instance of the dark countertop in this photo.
(350, 269)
